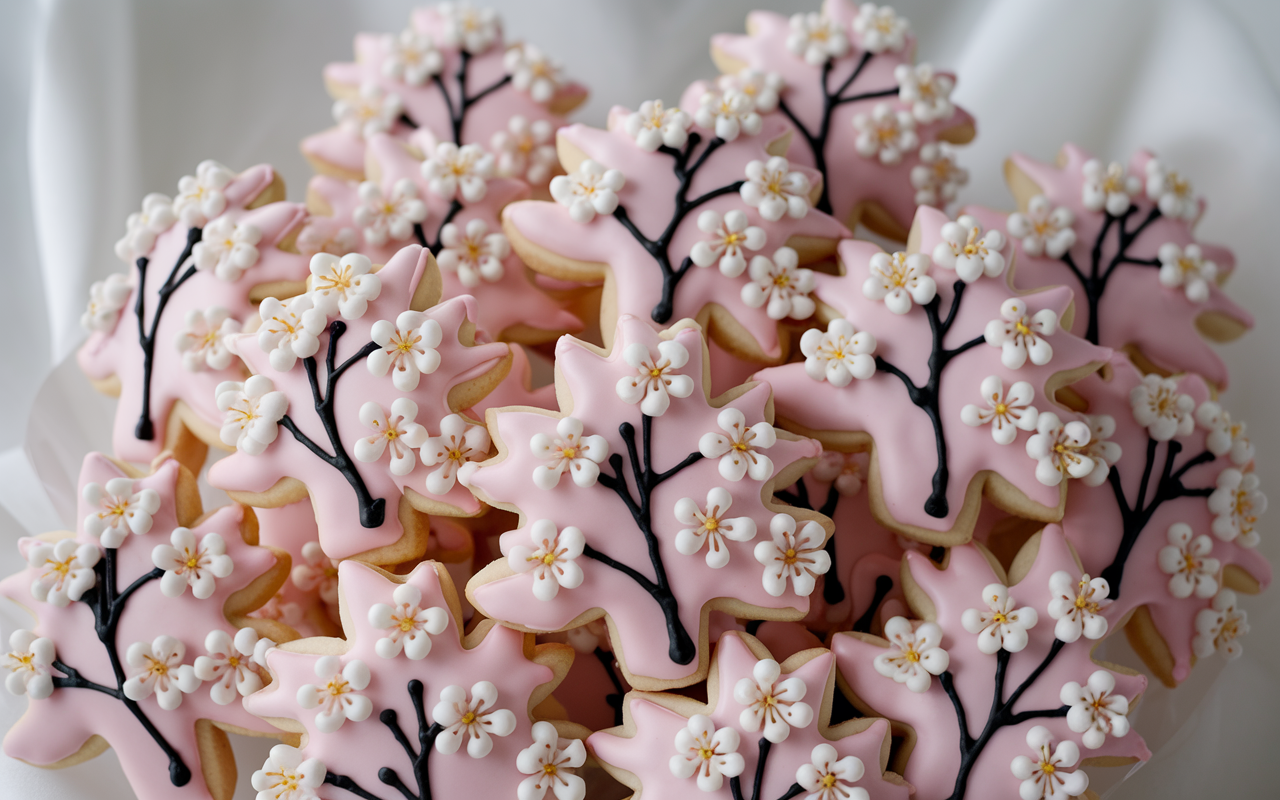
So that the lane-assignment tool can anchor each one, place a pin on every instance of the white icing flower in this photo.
(816, 39)
(1103, 452)
(1108, 187)
(1006, 414)
(64, 570)
(654, 381)
(1226, 437)
(1043, 229)
(927, 92)
(569, 451)
(407, 625)
(411, 57)
(1077, 606)
(1059, 449)
(589, 190)
(1171, 192)
(913, 656)
(772, 703)
(1096, 710)
(970, 252)
(29, 661)
(880, 28)
(1020, 335)
(369, 112)
(325, 235)
(388, 217)
(842, 470)
(1219, 627)
(342, 285)
(729, 113)
(1186, 561)
(762, 87)
(534, 72)
(552, 559)
(471, 29)
(458, 443)
(106, 299)
(200, 197)
(119, 507)
(798, 555)
(937, 178)
(475, 720)
(234, 667)
(525, 150)
(157, 669)
(251, 413)
(473, 253)
(1187, 267)
(1001, 625)
(1161, 408)
(227, 248)
(1045, 776)
(780, 286)
(285, 776)
(186, 563)
(338, 698)
(839, 354)
(829, 777)
(731, 237)
(396, 432)
(202, 340)
(706, 752)
(459, 172)
(407, 349)
(774, 190)
(898, 280)
(738, 447)
(1236, 505)
(290, 330)
(142, 227)
(711, 527)
(550, 762)
(885, 133)
(319, 573)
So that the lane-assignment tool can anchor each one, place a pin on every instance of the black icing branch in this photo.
(681, 647)
(817, 139)
(614, 698)
(108, 606)
(735, 783)
(372, 511)
(659, 248)
(1101, 269)
(459, 106)
(145, 429)
(418, 755)
(927, 398)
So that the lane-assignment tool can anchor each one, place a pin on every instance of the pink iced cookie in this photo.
(677, 747)
(873, 123)
(1124, 241)
(1172, 525)
(642, 502)
(137, 642)
(451, 74)
(203, 260)
(354, 400)
(930, 362)
(985, 634)
(408, 706)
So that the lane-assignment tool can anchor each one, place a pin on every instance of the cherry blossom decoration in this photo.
(652, 506)
(143, 664)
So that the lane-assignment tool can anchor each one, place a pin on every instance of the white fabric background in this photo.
(105, 100)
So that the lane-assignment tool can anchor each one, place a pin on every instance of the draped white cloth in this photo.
(105, 100)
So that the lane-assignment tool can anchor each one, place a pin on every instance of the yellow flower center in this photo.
(732, 239)
(549, 769)
(469, 718)
(336, 687)
(158, 668)
(285, 781)
(789, 557)
(741, 446)
(284, 325)
(23, 659)
(711, 524)
(1001, 409)
(1047, 768)
(118, 510)
(210, 338)
(1022, 328)
(569, 452)
(392, 433)
(774, 186)
(705, 753)
(1190, 564)
(233, 661)
(549, 559)
(828, 781)
(455, 454)
(193, 561)
(654, 372)
(406, 624)
(339, 279)
(911, 655)
(60, 567)
(782, 280)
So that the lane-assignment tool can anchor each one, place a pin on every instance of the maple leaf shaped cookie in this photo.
(765, 733)
(1172, 525)
(1124, 240)
(995, 674)
(354, 401)
(202, 260)
(929, 359)
(407, 706)
(137, 642)
(451, 73)
(877, 126)
(683, 215)
(644, 502)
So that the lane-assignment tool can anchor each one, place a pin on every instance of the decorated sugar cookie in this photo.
(452, 74)
(137, 641)
(930, 361)
(407, 706)
(198, 264)
(354, 401)
(1123, 239)
(878, 127)
(765, 733)
(643, 502)
(992, 683)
